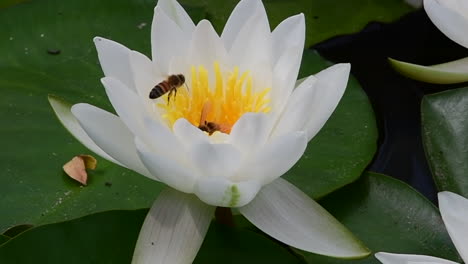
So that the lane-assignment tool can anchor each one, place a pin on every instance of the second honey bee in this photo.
(210, 127)
(169, 85)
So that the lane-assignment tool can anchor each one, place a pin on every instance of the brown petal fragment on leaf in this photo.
(90, 161)
(76, 168)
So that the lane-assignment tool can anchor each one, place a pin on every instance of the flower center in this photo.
(215, 107)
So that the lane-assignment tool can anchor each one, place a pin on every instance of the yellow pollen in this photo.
(222, 104)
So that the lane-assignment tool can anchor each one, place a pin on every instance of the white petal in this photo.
(288, 45)
(167, 40)
(223, 192)
(250, 132)
(451, 17)
(239, 17)
(251, 50)
(289, 34)
(177, 14)
(170, 171)
(206, 46)
(287, 214)
(63, 111)
(275, 158)
(216, 160)
(454, 211)
(330, 87)
(163, 141)
(127, 105)
(114, 60)
(145, 75)
(111, 135)
(173, 230)
(446, 73)
(297, 112)
(188, 134)
(219, 137)
(389, 258)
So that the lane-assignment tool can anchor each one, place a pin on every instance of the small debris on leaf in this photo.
(108, 184)
(53, 51)
(141, 25)
(76, 167)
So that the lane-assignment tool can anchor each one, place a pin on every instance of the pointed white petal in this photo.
(63, 111)
(389, 258)
(250, 132)
(451, 17)
(239, 17)
(206, 46)
(445, 73)
(128, 106)
(216, 160)
(114, 60)
(225, 193)
(251, 50)
(275, 158)
(111, 135)
(454, 211)
(145, 75)
(287, 214)
(173, 230)
(297, 111)
(289, 34)
(177, 14)
(288, 45)
(167, 40)
(188, 134)
(170, 171)
(330, 86)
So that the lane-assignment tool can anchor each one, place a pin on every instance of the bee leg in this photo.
(169, 97)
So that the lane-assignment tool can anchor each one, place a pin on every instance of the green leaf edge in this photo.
(61, 222)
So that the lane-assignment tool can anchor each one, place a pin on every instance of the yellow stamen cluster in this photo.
(231, 96)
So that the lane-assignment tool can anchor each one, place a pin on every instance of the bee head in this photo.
(181, 77)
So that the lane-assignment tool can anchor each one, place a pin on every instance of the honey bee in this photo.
(169, 85)
(210, 127)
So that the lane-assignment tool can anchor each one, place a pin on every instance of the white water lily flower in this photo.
(454, 211)
(450, 17)
(243, 82)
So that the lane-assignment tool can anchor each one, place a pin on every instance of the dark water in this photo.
(396, 99)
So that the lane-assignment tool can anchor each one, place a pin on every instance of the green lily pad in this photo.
(445, 73)
(388, 215)
(445, 137)
(33, 188)
(342, 149)
(100, 238)
(3, 239)
(238, 245)
(110, 237)
(8, 3)
(47, 48)
(324, 18)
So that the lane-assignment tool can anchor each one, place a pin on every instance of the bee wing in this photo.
(204, 112)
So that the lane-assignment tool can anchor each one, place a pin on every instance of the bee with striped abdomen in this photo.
(169, 85)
